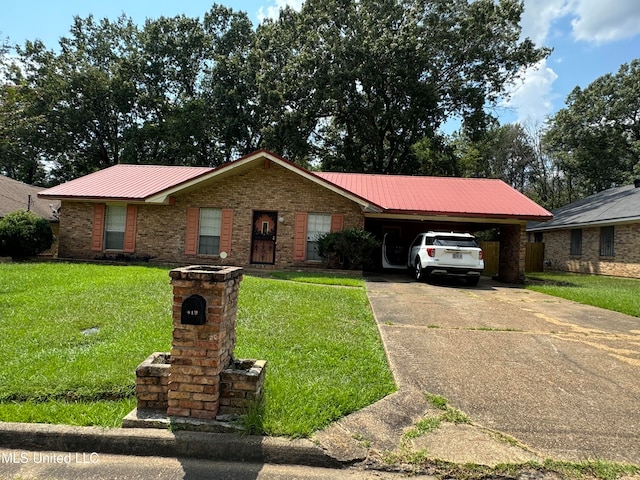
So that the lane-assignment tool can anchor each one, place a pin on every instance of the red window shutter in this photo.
(300, 236)
(226, 228)
(191, 239)
(337, 222)
(130, 226)
(97, 232)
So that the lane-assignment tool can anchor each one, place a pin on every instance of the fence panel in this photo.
(491, 257)
(535, 257)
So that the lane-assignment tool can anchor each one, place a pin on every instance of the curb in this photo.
(164, 443)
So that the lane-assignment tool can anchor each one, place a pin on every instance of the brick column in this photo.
(513, 251)
(199, 353)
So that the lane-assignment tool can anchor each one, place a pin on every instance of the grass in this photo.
(74, 334)
(50, 371)
(324, 354)
(612, 293)
(320, 278)
(430, 423)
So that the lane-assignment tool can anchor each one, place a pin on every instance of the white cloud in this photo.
(532, 99)
(272, 11)
(539, 15)
(598, 21)
(595, 21)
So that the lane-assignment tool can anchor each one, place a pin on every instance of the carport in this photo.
(404, 206)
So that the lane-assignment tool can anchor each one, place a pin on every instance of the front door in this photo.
(263, 237)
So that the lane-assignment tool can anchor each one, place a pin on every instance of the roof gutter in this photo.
(418, 215)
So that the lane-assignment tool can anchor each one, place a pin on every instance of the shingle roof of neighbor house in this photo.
(465, 197)
(615, 205)
(15, 195)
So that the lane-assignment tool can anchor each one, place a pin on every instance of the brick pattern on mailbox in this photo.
(241, 386)
(199, 353)
(152, 383)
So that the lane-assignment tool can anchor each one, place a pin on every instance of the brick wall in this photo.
(513, 252)
(161, 229)
(76, 221)
(625, 262)
(152, 382)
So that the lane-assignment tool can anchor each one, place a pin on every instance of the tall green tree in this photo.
(20, 154)
(359, 83)
(596, 137)
(20, 157)
(83, 95)
(175, 91)
(195, 90)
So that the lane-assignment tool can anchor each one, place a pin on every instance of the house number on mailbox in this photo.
(193, 310)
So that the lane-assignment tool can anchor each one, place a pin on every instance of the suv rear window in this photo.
(455, 242)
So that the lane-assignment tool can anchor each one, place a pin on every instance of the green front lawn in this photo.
(613, 293)
(73, 335)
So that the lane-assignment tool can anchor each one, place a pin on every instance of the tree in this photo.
(24, 234)
(83, 94)
(359, 83)
(20, 155)
(596, 137)
(176, 91)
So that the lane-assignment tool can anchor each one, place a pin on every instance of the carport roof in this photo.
(387, 194)
(475, 197)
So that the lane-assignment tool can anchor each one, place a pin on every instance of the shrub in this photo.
(351, 248)
(24, 234)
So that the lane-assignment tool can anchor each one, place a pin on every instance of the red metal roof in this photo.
(439, 195)
(126, 182)
(466, 197)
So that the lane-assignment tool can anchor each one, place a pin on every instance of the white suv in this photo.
(446, 253)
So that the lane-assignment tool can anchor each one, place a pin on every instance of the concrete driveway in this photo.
(562, 378)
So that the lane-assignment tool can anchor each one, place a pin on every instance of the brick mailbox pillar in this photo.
(205, 302)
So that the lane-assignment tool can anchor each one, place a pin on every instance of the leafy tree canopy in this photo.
(359, 83)
(596, 137)
(117, 93)
(345, 84)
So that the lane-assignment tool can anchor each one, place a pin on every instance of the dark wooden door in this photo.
(263, 237)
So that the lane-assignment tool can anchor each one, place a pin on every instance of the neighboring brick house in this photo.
(262, 210)
(599, 234)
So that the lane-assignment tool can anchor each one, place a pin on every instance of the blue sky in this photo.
(590, 38)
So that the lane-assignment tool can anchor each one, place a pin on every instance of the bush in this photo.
(24, 234)
(350, 249)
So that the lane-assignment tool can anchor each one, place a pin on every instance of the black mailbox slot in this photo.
(194, 309)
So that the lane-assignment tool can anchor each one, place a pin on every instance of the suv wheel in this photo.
(473, 281)
(418, 273)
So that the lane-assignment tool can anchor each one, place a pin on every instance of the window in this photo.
(209, 231)
(606, 241)
(114, 227)
(318, 224)
(576, 241)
